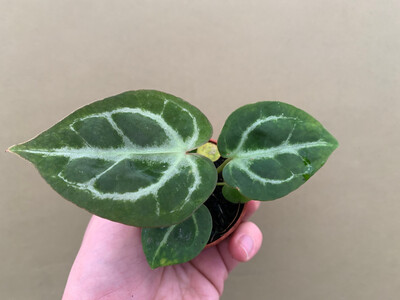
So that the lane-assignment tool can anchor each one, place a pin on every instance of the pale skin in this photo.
(111, 265)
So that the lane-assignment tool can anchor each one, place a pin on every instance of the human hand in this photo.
(111, 265)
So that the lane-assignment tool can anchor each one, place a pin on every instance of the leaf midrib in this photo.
(281, 149)
(99, 153)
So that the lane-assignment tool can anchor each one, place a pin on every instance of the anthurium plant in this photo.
(138, 158)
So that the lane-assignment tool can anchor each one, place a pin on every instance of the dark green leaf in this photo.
(125, 158)
(177, 243)
(273, 148)
(233, 195)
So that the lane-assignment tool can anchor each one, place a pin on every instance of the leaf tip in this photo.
(336, 144)
(162, 262)
(333, 141)
(15, 149)
(153, 266)
(12, 149)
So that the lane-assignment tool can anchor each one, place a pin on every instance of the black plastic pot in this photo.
(226, 216)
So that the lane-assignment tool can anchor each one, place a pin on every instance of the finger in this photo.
(232, 250)
(245, 242)
(252, 207)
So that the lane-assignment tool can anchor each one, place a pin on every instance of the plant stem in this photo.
(221, 183)
(221, 167)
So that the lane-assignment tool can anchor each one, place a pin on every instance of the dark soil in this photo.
(224, 213)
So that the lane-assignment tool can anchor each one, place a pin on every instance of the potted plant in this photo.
(139, 158)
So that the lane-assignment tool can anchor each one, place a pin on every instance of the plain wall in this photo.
(337, 237)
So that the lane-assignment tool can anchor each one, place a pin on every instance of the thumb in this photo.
(245, 242)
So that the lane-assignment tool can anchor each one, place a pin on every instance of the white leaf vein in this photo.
(163, 241)
(244, 159)
(253, 126)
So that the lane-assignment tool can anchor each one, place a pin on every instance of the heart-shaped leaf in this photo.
(125, 158)
(273, 148)
(178, 243)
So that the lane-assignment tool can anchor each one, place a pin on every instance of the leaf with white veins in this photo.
(273, 148)
(178, 243)
(125, 158)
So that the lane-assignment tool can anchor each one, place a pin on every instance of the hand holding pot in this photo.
(111, 265)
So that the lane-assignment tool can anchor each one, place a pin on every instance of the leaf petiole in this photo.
(221, 167)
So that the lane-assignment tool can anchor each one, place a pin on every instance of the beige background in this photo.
(337, 237)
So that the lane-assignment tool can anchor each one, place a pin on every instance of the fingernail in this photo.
(247, 243)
